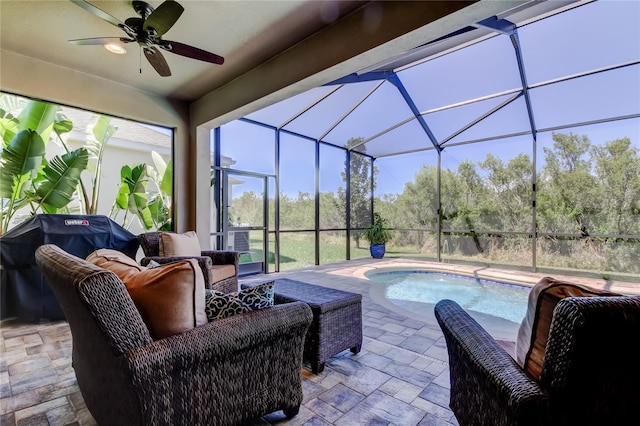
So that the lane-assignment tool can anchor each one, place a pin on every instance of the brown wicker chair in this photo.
(222, 373)
(150, 243)
(590, 373)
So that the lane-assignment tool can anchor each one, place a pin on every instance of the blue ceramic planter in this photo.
(377, 251)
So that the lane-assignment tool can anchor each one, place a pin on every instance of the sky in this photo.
(587, 38)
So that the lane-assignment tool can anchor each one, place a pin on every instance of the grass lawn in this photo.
(298, 251)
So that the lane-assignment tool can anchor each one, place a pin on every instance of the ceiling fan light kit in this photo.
(147, 31)
(118, 49)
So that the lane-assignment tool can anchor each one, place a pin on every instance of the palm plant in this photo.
(151, 206)
(27, 178)
(160, 201)
(98, 138)
(132, 196)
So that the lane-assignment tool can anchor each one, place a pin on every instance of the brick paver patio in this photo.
(399, 378)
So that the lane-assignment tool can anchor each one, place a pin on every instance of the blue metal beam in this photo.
(500, 25)
(534, 133)
(523, 78)
(257, 123)
(395, 80)
(358, 78)
(506, 27)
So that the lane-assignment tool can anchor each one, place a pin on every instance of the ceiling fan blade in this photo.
(100, 40)
(190, 52)
(99, 13)
(157, 61)
(163, 18)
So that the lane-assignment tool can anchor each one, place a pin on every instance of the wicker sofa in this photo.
(222, 373)
(208, 259)
(590, 372)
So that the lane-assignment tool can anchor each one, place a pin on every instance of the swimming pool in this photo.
(412, 288)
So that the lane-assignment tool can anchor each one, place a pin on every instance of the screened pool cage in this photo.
(512, 142)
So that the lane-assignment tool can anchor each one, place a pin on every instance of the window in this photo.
(124, 167)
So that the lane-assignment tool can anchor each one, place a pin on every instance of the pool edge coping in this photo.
(524, 278)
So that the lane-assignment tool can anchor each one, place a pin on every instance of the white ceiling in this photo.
(245, 33)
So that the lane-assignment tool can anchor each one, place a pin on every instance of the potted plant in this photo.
(377, 235)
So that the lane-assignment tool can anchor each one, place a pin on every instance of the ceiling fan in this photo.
(147, 31)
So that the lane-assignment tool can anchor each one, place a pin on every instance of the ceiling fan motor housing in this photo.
(142, 8)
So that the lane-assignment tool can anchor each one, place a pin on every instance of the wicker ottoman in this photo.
(337, 318)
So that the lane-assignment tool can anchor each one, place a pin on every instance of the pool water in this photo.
(502, 300)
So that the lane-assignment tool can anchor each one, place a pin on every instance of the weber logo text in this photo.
(71, 222)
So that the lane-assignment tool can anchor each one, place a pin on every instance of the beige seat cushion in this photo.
(222, 272)
(534, 329)
(170, 298)
(172, 244)
(119, 263)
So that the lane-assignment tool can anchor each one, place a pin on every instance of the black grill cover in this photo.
(24, 291)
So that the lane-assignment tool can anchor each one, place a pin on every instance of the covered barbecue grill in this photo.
(25, 294)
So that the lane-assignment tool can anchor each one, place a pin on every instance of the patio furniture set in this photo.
(134, 368)
(576, 356)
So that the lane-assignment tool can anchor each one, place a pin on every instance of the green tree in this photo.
(462, 193)
(297, 213)
(617, 167)
(568, 191)
(360, 187)
(417, 206)
(246, 208)
(509, 191)
(330, 215)
(386, 206)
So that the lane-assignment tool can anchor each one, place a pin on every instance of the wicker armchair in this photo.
(150, 243)
(590, 373)
(222, 373)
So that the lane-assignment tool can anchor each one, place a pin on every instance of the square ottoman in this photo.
(337, 318)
